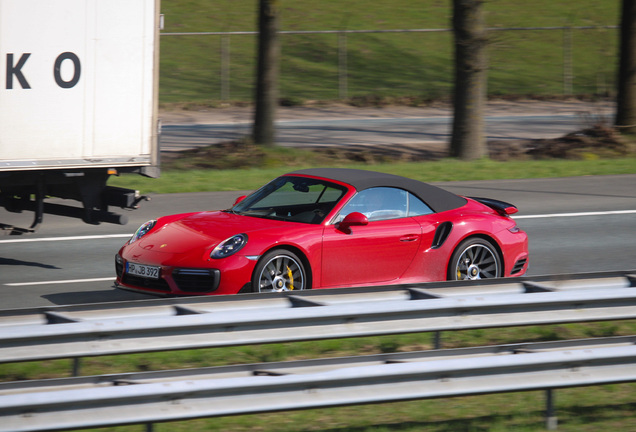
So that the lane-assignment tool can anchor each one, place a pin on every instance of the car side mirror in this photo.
(239, 199)
(352, 219)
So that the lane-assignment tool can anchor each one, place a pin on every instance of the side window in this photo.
(379, 203)
(417, 206)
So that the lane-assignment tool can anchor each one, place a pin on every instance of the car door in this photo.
(378, 252)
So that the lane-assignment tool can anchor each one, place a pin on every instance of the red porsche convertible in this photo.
(324, 228)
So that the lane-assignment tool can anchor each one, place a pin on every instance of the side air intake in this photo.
(441, 234)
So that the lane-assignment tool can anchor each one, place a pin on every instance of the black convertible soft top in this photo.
(437, 199)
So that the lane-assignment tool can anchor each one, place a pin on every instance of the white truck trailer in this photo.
(78, 103)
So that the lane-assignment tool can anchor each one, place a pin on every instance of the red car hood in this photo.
(202, 230)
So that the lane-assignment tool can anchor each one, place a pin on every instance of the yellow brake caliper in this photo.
(291, 278)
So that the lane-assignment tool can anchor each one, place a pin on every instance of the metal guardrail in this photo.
(116, 328)
(177, 395)
(311, 315)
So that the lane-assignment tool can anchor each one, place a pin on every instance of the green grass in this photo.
(528, 62)
(201, 180)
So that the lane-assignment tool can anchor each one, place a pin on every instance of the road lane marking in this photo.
(53, 239)
(556, 215)
(15, 284)
(107, 236)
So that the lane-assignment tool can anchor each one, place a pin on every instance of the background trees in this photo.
(266, 91)
(626, 91)
(471, 64)
(468, 140)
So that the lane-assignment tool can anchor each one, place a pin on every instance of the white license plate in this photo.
(142, 270)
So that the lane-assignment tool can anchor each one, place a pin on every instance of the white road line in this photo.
(107, 236)
(556, 215)
(97, 237)
(54, 239)
(61, 281)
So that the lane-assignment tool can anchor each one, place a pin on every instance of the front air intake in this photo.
(197, 280)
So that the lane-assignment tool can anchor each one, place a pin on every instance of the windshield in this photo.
(296, 199)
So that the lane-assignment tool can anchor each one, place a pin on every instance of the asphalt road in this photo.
(369, 131)
(575, 225)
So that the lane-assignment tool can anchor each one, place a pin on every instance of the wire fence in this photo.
(346, 64)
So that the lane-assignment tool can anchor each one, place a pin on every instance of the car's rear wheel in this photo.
(475, 258)
(279, 270)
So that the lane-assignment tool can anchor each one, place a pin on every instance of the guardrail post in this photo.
(437, 340)
(77, 364)
(551, 421)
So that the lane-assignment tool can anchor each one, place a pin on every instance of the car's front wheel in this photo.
(279, 270)
(475, 258)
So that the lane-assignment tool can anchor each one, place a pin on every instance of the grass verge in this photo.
(529, 62)
(202, 180)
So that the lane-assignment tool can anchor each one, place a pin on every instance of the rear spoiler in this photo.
(501, 207)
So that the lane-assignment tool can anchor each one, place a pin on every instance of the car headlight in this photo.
(229, 246)
(142, 231)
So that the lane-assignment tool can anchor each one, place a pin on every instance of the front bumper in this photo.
(185, 280)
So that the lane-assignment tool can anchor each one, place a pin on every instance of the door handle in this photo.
(409, 238)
